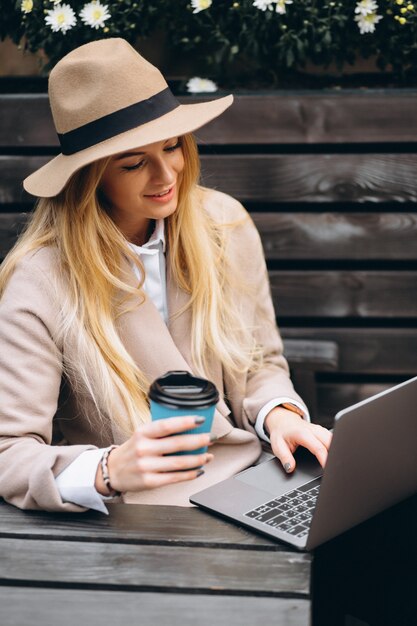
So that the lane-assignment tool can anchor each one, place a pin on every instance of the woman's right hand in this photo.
(140, 464)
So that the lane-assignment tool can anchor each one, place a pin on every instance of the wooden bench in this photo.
(329, 178)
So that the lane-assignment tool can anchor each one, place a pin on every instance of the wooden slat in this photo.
(320, 117)
(314, 177)
(312, 355)
(12, 172)
(339, 294)
(10, 226)
(332, 397)
(367, 350)
(154, 567)
(271, 118)
(132, 524)
(26, 120)
(338, 236)
(68, 607)
(275, 178)
(308, 236)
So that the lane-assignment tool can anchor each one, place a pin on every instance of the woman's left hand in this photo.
(287, 431)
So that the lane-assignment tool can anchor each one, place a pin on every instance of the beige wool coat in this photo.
(45, 423)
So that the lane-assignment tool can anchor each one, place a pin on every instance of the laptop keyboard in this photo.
(291, 512)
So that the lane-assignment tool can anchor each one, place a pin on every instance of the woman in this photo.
(129, 269)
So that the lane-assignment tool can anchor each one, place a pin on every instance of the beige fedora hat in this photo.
(105, 99)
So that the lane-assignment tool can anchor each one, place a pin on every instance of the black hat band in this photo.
(118, 122)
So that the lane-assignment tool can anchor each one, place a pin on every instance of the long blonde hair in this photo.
(91, 251)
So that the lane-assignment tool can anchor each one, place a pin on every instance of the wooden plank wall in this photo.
(330, 180)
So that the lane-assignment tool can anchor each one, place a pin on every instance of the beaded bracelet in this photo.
(105, 471)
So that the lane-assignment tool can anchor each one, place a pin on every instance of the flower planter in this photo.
(363, 73)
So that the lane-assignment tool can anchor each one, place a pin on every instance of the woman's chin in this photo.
(159, 211)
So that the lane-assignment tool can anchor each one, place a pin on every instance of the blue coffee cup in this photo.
(178, 393)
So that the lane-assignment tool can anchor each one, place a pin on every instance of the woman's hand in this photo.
(139, 463)
(287, 431)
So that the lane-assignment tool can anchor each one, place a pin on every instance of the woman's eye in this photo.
(139, 165)
(133, 167)
(174, 147)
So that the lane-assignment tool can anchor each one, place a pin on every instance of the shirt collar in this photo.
(158, 234)
(157, 237)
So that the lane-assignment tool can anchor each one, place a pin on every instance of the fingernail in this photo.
(210, 457)
(199, 473)
(213, 437)
(199, 419)
(287, 467)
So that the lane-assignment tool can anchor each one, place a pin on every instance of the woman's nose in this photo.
(163, 172)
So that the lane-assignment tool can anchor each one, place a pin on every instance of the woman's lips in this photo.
(165, 198)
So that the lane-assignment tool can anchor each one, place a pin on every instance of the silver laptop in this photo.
(372, 465)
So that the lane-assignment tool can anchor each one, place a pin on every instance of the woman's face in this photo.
(142, 185)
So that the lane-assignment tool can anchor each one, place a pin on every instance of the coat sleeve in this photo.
(272, 379)
(30, 379)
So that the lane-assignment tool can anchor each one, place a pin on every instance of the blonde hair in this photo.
(92, 249)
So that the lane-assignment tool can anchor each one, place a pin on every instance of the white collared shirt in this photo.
(76, 482)
(152, 255)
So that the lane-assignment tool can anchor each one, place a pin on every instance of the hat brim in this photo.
(51, 178)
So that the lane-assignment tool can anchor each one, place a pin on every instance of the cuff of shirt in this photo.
(76, 482)
(259, 424)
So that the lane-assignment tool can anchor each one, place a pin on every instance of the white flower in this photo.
(201, 5)
(281, 6)
(367, 23)
(94, 14)
(366, 7)
(201, 85)
(61, 17)
(263, 5)
(26, 6)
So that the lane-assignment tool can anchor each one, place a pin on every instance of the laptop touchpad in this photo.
(271, 477)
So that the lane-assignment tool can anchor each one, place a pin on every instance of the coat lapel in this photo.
(156, 347)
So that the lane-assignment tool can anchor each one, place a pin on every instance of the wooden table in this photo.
(153, 565)
(169, 566)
